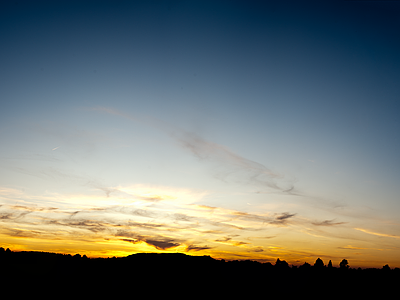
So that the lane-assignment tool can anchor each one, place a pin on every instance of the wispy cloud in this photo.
(276, 219)
(56, 174)
(350, 247)
(283, 218)
(92, 225)
(377, 233)
(327, 223)
(197, 248)
(229, 241)
(226, 165)
(160, 243)
(163, 225)
(22, 233)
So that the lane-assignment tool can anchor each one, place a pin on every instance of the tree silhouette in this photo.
(330, 264)
(344, 264)
(386, 268)
(319, 263)
(305, 266)
(59, 268)
(281, 264)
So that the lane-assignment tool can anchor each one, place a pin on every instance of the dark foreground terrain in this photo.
(181, 276)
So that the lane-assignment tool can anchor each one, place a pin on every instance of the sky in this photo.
(236, 129)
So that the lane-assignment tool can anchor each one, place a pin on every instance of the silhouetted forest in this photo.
(157, 272)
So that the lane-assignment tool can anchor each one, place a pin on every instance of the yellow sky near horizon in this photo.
(142, 218)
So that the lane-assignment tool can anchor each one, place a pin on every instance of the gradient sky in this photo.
(236, 129)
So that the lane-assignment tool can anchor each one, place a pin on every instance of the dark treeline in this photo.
(166, 270)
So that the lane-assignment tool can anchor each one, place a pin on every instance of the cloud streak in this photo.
(229, 166)
(160, 243)
(277, 219)
(377, 233)
(226, 165)
(164, 224)
(282, 219)
(160, 226)
(328, 223)
(197, 248)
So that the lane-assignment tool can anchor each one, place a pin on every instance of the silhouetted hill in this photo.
(157, 272)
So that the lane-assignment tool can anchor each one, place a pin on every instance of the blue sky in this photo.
(236, 129)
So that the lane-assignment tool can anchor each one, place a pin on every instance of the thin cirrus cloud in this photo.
(226, 165)
(164, 225)
(327, 223)
(163, 244)
(160, 226)
(54, 174)
(276, 219)
(377, 233)
(197, 248)
(229, 166)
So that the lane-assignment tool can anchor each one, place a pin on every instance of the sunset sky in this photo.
(235, 129)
